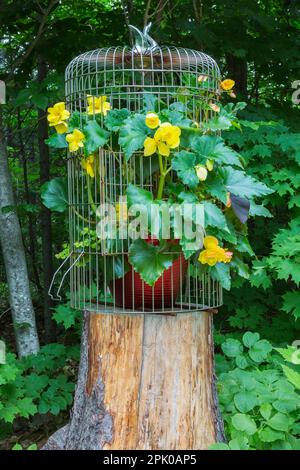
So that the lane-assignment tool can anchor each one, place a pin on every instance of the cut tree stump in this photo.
(146, 381)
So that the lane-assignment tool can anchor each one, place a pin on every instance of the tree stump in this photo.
(146, 381)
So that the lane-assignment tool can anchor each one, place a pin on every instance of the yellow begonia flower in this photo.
(168, 134)
(61, 128)
(88, 164)
(57, 115)
(165, 138)
(227, 84)
(152, 120)
(75, 140)
(98, 105)
(150, 146)
(210, 165)
(201, 172)
(213, 253)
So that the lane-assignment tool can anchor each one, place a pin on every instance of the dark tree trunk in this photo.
(146, 381)
(45, 215)
(15, 262)
(238, 70)
(32, 242)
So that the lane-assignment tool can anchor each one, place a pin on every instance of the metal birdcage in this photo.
(130, 77)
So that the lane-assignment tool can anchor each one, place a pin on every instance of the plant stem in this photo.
(164, 170)
(90, 197)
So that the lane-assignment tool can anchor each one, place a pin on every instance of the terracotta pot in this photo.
(132, 292)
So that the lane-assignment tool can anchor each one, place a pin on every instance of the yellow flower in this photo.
(88, 164)
(213, 253)
(61, 128)
(210, 165)
(201, 172)
(165, 138)
(150, 146)
(152, 120)
(227, 84)
(168, 134)
(210, 242)
(98, 105)
(75, 140)
(57, 115)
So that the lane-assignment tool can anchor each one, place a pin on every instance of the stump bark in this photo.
(146, 381)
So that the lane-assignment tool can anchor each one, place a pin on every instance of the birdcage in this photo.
(101, 278)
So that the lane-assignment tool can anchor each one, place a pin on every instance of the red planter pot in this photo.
(132, 292)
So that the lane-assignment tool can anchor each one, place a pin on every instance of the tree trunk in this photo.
(146, 381)
(238, 71)
(45, 215)
(15, 262)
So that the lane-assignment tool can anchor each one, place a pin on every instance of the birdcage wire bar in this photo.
(128, 78)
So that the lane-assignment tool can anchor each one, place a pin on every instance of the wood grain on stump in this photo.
(146, 381)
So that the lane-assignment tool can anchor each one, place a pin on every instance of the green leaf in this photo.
(74, 121)
(54, 194)
(245, 401)
(219, 446)
(241, 267)
(244, 423)
(149, 261)
(259, 350)
(184, 164)
(221, 272)
(291, 303)
(290, 354)
(232, 347)
(269, 435)
(95, 137)
(26, 407)
(259, 276)
(133, 134)
(241, 361)
(265, 410)
(9, 412)
(65, 315)
(259, 210)
(17, 447)
(137, 195)
(213, 148)
(218, 123)
(249, 339)
(279, 422)
(40, 100)
(213, 216)
(116, 118)
(57, 141)
(240, 184)
(292, 376)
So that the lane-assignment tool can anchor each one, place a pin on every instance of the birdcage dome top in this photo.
(157, 58)
(144, 55)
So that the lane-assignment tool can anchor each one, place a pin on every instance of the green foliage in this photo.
(54, 194)
(258, 397)
(67, 316)
(133, 134)
(38, 383)
(150, 260)
(95, 137)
